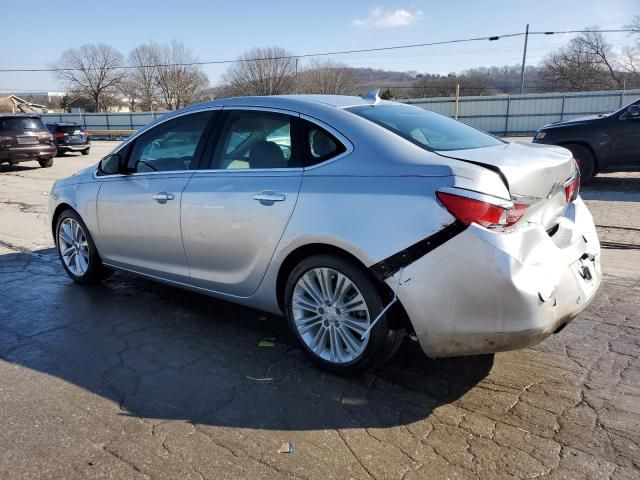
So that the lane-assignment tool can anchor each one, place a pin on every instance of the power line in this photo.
(327, 54)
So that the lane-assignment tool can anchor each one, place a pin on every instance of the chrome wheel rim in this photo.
(330, 315)
(73, 246)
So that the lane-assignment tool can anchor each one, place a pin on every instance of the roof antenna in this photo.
(373, 95)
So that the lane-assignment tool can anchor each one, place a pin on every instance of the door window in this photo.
(171, 145)
(252, 139)
(320, 145)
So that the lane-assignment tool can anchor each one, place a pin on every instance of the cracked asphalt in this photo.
(132, 379)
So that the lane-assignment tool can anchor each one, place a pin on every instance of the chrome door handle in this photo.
(162, 197)
(268, 197)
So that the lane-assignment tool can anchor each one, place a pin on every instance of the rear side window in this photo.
(70, 129)
(319, 145)
(426, 129)
(26, 123)
(252, 139)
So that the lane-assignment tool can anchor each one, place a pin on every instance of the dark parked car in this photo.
(70, 137)
(24, 138)
(599, 143)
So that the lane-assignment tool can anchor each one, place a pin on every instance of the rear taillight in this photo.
(60, 135)
(572, 188)
(470, 210)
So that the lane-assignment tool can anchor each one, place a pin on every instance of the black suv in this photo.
(24, 138)
(70, 137)
(599, 143)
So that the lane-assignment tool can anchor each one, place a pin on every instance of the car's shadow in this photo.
(7, 167)
(163, 353)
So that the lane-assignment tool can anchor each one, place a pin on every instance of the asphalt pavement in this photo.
(132, 379)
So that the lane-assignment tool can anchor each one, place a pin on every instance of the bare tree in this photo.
(179, 82)
(130, 91)
(635, 25)
(142, 77)
(93, 70)
(587, 62)
(261, 71)
(327, 77)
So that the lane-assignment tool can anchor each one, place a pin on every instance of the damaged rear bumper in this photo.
(484, 291)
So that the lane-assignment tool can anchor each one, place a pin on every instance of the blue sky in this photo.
(222, 30)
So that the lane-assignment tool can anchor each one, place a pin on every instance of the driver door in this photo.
(625, 139)
(139, 213)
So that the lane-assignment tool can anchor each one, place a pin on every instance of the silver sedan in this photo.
(358, 219)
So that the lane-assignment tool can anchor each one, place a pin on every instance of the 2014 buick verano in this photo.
(359, 219)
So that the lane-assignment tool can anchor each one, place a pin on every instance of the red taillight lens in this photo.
(59, 135)
(469, 210)
(572, 189)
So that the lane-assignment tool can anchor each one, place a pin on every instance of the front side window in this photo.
(253, 139)
(426, 129)
(170, 146)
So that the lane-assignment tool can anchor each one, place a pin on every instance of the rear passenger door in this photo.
(235, 209)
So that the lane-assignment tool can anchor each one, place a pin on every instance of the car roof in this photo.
(291, 102)
(64, 124)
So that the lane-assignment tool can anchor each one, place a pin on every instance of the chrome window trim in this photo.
(246, 171)
(349, 148)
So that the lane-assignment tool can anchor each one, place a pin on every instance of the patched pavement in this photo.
(133, 379)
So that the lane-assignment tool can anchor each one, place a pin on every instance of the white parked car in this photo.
(358, 219)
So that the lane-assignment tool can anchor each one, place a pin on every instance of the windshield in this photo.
(424, 128)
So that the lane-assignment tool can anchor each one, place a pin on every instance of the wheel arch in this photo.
(399, 318)
(56, 214)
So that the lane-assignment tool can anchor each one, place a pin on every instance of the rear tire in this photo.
(318, 291)
(46, 163)
(72, 235)
(585, 160)
(85, 152)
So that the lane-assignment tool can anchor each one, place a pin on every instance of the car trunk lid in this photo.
(530, 170)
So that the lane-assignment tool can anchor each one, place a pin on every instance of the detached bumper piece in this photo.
(390, 265)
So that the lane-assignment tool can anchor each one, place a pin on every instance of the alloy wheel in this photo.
(330, 315)
(73, 246)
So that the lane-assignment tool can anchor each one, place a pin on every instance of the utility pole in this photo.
(524, 59)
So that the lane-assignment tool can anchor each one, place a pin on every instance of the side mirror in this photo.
(633, 111)
(111, 165)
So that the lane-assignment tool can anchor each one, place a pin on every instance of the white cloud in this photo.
(381, 18)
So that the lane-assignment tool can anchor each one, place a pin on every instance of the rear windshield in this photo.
(424, 128)
(70, 129)
(26, 123)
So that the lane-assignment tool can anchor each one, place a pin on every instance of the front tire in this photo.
(585, 160)
(330, 302)
(46, 163)
(77, 251)
(85, 152)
